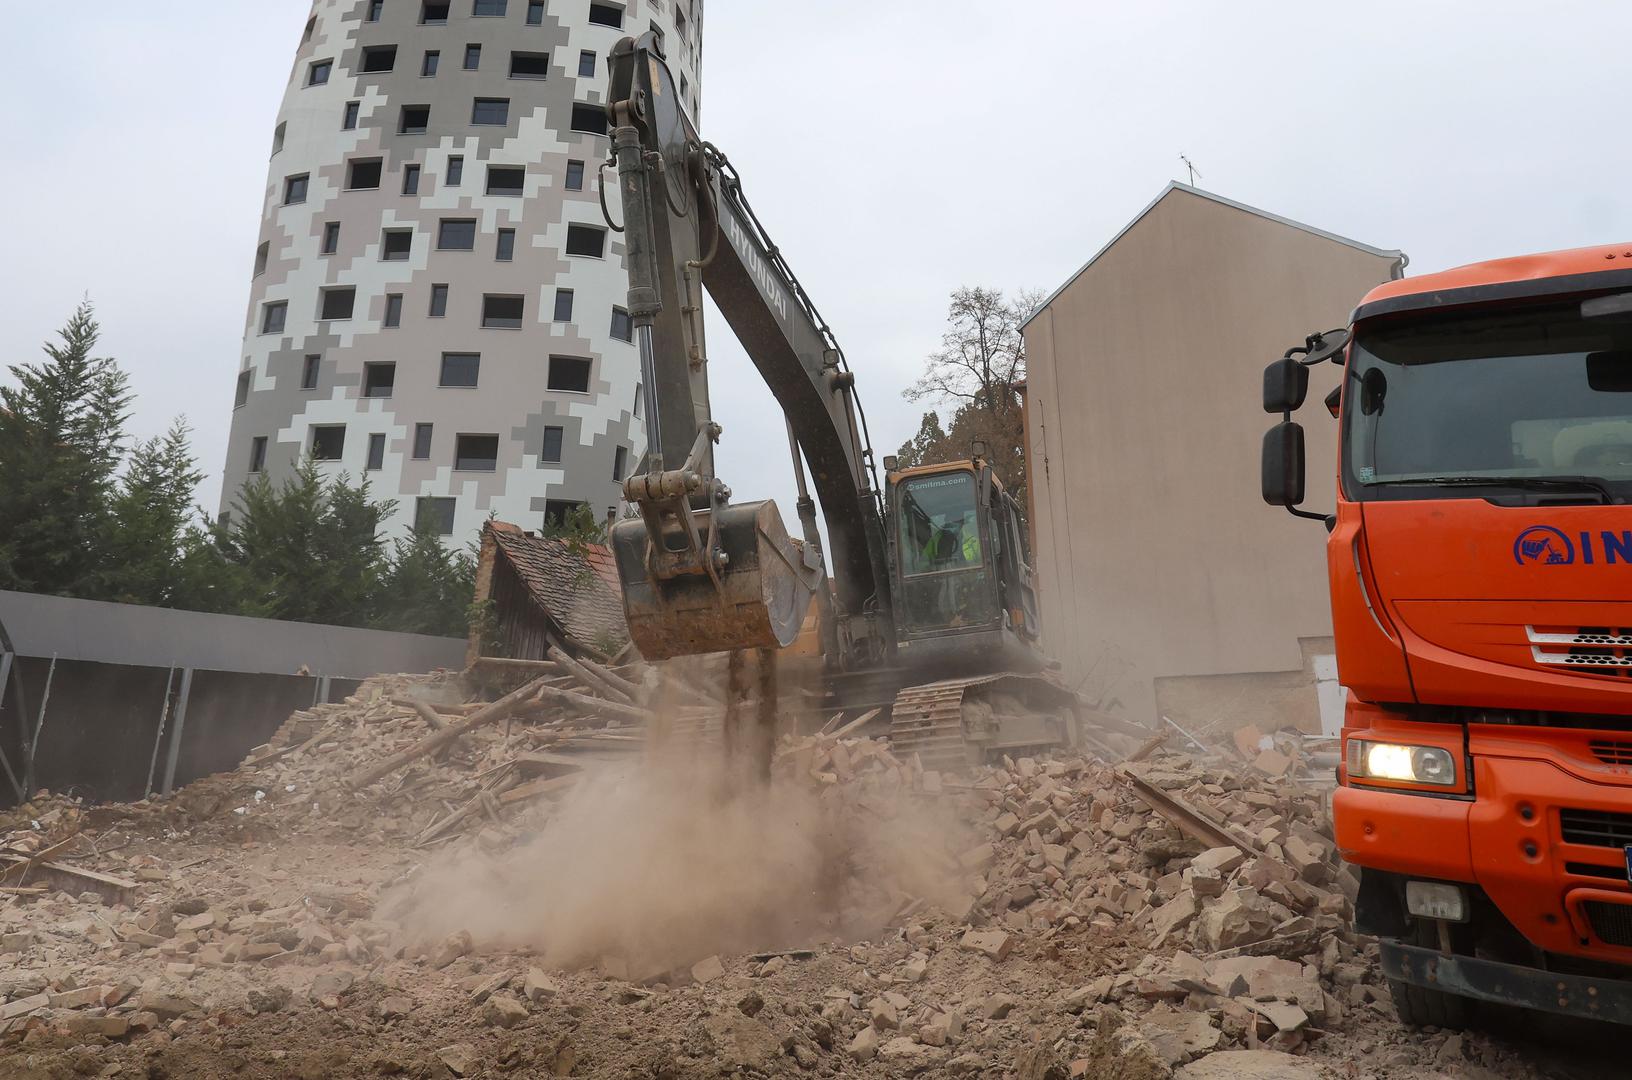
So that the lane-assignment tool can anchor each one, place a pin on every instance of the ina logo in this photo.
(1543, 545)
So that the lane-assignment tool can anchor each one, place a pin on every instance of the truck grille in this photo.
(1611, 753)
(1605, 650)
(1612, 923)
(1596, 828)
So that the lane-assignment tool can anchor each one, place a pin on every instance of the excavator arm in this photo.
(701, 574)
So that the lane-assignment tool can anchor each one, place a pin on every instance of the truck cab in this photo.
(961, 561)
(1480, 568)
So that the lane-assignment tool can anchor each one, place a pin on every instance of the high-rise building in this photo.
(437, 298)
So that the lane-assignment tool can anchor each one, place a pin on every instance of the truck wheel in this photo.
(1420, 1006)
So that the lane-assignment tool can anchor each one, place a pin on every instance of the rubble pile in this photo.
(1174, 914)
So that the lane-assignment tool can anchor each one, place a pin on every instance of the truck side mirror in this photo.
(1286, 383)
(1283, 464)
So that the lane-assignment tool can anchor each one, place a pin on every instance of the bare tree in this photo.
(981, 360)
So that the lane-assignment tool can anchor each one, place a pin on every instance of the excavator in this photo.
(925, 608)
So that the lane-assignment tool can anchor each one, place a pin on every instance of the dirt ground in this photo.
(858, 918)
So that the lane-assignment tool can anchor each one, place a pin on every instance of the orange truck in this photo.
(1480, 567)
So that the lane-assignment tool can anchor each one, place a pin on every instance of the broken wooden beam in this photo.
(857, 724)
(73, 881)
(593, 680)
(498, 710)
(1185, 817)
(594, 705)
(1149, 747)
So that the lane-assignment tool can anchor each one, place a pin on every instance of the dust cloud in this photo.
(665, 862)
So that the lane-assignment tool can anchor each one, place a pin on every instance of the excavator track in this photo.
(945, 725)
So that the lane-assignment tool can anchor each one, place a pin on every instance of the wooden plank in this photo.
(859, 722)
(594, 705)
(591, 680)
(498, 710)
(73, 880)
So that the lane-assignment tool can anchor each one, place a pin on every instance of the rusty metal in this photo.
(1185, 817)
(766, 582)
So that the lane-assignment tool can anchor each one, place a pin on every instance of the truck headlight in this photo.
(1402, 763)
(1436, 900)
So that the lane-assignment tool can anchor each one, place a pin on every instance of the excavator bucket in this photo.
(758, 600)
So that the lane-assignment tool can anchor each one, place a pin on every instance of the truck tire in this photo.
(1420, 1006)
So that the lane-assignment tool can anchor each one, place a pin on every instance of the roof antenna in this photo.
(1188, 164)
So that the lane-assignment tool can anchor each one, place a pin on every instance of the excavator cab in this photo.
(962, 562)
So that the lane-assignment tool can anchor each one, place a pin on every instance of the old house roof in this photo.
(574, 583)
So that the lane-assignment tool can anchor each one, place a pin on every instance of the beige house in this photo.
(1167, 586)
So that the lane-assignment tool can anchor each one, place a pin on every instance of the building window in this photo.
(331, 238)
(311, 27)
(456, 171)
(456, 234)
(308, 371)
(657, 32)
(586, 240)
(490, 112)
(422, 441)
(563, 305)
(257, 453)
(364, 174)
(375, 9)
(589, 119)
(434, 13)
(240, 397)
(329, 442)
(393, 309)
(506, 180)
(396, 245)
(620, 462)
(606, 15)
(679, 21)
(503, 312)
(640, 393)
(586, 64)
(379, 380)
(535, 12)
(623, 327)
(434, 515)
(569, 374)
(505, 250)
(476, 453)
(294, 189)
(353, 114)
(277, 138)
(460, 369)
(529, 65)
(376, 452)
(439, 301)
(685, 88)
(274, 316)
(415, 119)
(338, 303)
(473, 57)
(488, 9)
(318, 73)
(262, 253)
(575, 176)
(410, 179)
(378, 58)
(427, 67)
(558, 511)
(553, 437)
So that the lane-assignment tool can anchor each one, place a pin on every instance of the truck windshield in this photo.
(1536, 399)
(943, 565)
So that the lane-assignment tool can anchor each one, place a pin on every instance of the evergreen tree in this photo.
(149, 516)
(61, 441)
(426, 589)
(310, 550)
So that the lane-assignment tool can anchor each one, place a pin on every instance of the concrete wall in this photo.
(511, 400)
(1156, 554)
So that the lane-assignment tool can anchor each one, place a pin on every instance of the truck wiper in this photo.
(1528, 483)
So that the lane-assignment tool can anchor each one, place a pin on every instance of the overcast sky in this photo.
(895, 150)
